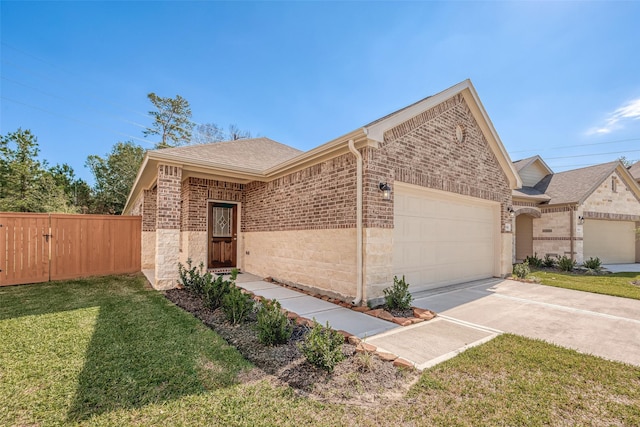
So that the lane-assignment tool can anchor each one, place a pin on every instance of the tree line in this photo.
(29, 184)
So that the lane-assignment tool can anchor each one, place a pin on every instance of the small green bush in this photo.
(521, 270)
(566, 264)
(593, 264)
(236, 305)
(397, 297)
(323, 347)
(273, 326)
(548, 261)
(534, 261)
(192, 278)
(215, 290)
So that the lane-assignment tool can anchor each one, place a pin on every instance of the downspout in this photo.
(571, 231)
(359, 281)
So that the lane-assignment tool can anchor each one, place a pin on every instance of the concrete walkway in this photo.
(339, 318)
(423, 344)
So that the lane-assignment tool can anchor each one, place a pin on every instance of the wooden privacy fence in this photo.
(41, 247)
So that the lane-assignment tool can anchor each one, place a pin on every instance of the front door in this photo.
(223, 235)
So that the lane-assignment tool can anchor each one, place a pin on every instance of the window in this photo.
(614, 184)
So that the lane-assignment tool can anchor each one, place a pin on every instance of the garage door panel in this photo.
(454, 237)
(611, 241)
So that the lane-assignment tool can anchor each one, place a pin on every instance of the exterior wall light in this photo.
(386, 191)
(512, 213)
(580, 220)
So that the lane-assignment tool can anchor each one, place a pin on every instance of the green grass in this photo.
(108, 351)
(517, 381)
(616, 284)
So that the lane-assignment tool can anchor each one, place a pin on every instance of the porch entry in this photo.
(223, 235)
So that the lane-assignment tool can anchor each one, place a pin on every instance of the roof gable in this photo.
(576, 185)
(376, 129)
(532, 170)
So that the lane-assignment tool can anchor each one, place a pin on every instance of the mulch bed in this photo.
(362, 379)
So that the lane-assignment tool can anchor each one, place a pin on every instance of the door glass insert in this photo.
(222, 221)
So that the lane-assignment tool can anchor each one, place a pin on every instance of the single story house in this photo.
(581, 213)
(424, 192)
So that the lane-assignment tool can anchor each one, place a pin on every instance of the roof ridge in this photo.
(588, 167)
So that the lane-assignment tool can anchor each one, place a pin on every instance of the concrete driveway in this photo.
(602, 325)
(623, 268)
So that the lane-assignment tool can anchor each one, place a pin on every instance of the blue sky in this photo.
(559, 79)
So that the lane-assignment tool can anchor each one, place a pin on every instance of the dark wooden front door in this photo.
(223, 235)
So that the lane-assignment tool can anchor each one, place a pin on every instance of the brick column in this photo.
(168, 226)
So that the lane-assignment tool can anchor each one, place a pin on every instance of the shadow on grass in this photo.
(143, 350)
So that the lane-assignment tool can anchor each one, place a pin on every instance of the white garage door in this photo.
(442, 239)
(611, 241)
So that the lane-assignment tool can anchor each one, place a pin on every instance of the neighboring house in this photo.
(581, 213)
(634, 170)
(321, 220)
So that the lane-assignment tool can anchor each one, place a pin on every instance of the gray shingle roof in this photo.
(530, 193)
(258, 154)
(575, 185)
(634, 170)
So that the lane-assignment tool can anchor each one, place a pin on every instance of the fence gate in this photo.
(41, 247)
(24, 248)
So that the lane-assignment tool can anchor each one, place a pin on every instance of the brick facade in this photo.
(322, 196)
(196, 192)
(169, 193)
(149, 209)
(424, 151)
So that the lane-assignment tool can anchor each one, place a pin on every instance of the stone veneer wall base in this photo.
(167, 258)
(315, 259)
(148, 250)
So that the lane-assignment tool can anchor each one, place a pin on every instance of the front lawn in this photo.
(615, 284)
(110, 351)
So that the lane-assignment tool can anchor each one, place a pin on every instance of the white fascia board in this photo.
(134, 189)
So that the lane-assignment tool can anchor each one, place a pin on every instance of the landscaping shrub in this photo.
(593, 264)
(566, 264)
(521, 270)
(273, 326)
(215, 290)
(236, 305)
(323, 347)
(397, 297)
(191, 277)
(534, 261)
(548, 261)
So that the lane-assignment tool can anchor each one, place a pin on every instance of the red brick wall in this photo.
(196, 192)
(319, 197)
(149, 211)
(424, 151)
(169, 189)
